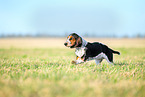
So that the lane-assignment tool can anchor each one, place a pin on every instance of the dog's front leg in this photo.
(78, 60)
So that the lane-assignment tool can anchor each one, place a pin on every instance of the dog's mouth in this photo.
(69, 45)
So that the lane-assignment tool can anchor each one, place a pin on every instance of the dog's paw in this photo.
(73, 62)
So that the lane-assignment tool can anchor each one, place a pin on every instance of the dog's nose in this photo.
(65, 44)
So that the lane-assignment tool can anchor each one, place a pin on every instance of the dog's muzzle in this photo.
(65, 44)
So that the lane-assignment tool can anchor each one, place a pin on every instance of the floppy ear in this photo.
(79, 42)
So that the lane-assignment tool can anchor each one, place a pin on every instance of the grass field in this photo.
(41, 67)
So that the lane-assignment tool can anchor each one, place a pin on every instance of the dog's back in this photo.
(93, 49)
(96, 48)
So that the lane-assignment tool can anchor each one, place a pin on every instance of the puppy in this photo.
(86, 51)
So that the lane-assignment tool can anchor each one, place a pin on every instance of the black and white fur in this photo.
(93, 51)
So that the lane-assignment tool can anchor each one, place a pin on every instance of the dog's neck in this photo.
(80, 51)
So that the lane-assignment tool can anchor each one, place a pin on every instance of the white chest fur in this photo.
(80, 51)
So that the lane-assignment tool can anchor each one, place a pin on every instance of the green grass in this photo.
(49, 73)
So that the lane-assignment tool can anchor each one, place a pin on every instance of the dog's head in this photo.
(73, 41)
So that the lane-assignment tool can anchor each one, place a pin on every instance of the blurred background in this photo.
(58, 18)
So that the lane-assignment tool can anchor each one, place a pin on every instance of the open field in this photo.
(41, 67)
(58, 42)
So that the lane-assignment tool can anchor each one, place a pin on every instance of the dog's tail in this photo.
(115, 52)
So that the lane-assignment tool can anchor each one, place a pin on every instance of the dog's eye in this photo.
(70, 38)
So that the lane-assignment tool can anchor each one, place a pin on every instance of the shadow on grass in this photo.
(121, 63)
(53, 64)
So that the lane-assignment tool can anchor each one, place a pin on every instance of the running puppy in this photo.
(86, 51)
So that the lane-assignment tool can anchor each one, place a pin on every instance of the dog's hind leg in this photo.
(98, 61)
(110, 56)
(110, 59)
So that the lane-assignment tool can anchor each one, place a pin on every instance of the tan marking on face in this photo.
(70, 41)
